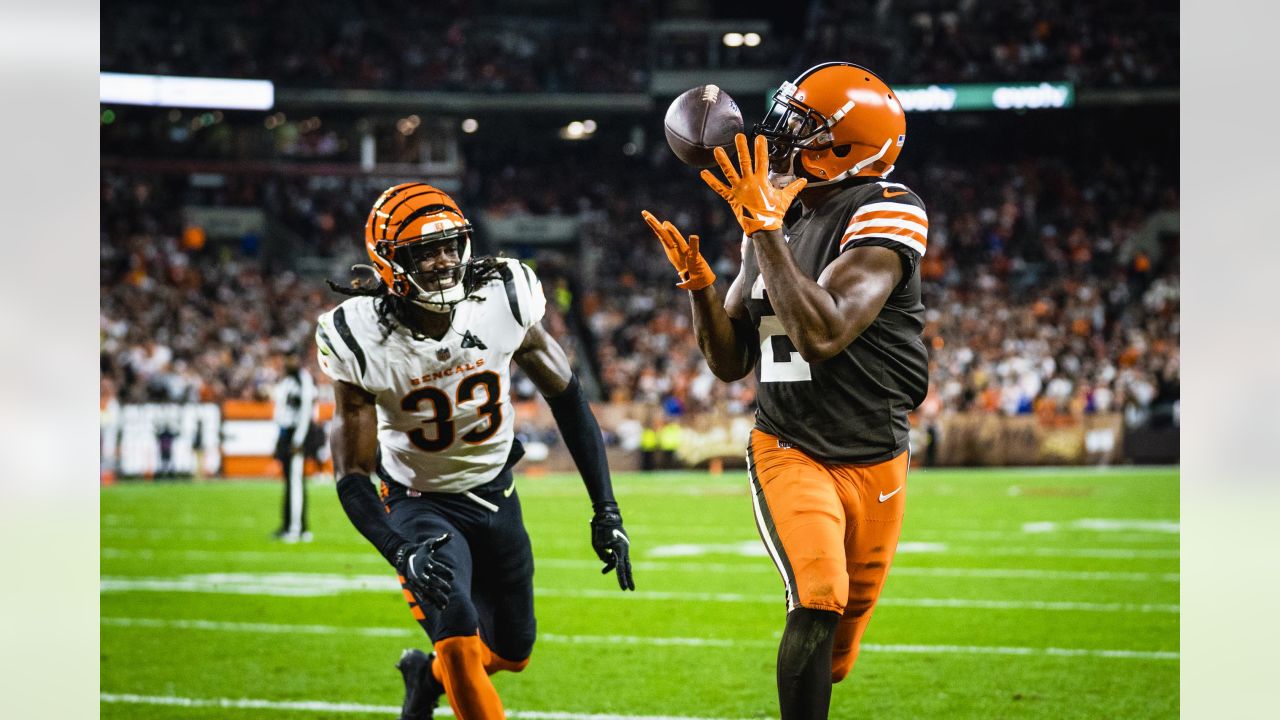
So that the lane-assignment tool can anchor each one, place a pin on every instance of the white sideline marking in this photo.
(995, 650)
(1020, 536)
(1063, 605)
(322, 706)
(1035, 574)
(613, 640)
(317, 585)
(1172, 527)
(899, 602)
(265, 628)
(251, 704)
(754, 548)
(371, 558)
(1109, 553)
(238, 556)
(1011, 573)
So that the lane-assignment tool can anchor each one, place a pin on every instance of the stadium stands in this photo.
(1052, 274)
(459, 47)
(1047, 287)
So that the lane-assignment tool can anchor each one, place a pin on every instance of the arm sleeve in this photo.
(366, 513)
(582, 436)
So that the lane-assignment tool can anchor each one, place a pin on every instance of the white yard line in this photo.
(614, 640)
(1035, 574)
(322, 585)
(693, 566)
(945, 603)
(1070, 538)
(332, 707)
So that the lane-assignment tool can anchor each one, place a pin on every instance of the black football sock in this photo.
(804, 664)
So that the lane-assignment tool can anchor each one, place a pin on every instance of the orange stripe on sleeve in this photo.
(877, 230)
(889, 215)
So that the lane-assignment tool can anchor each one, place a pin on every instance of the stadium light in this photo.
(751, 39)
(733, 39)
(578, 130)
(173, 91)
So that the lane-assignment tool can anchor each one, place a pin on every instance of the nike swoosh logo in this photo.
(894, 194)
(621, 536)
(884, 497)
(509, 490)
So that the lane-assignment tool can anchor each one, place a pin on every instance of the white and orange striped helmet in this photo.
(404, 223)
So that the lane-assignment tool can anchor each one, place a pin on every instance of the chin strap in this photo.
(430, 306)
(856, 168)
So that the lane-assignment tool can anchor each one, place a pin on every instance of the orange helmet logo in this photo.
(405, 219)
(837, 120)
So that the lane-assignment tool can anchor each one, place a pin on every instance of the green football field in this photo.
(1047, 593)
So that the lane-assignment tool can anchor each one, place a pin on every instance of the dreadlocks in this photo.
(391, 308)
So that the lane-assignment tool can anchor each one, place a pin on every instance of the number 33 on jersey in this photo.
(445, 421)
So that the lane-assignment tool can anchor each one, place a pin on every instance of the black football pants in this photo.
(491, 559)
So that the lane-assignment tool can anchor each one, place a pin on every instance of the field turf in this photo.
(1046, 593)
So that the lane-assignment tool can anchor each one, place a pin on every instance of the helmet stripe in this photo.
(392, 212)
(427, 210)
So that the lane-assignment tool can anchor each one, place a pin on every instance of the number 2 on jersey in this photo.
(779, 359)
(442, 411)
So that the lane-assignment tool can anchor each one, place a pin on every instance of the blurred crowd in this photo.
(582, 46)
(1051, 288)
(447, 46)
(1093, 43)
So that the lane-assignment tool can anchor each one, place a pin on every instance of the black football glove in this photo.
(425, 576)
(612, 544)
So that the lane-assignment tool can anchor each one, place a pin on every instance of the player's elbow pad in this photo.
(362, 506)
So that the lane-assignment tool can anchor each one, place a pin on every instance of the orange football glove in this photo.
(693, 269)
(757, 204)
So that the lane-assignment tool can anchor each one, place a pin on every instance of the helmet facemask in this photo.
(437, 267)
(791, 126)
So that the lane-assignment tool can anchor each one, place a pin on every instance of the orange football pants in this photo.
(831, 530)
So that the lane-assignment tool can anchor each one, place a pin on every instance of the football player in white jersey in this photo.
(421, 371)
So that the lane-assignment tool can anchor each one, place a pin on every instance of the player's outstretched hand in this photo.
(612, 544)
(426, 577)
(685, 257)
(756, 203)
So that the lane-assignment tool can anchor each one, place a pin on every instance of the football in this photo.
(699, 120)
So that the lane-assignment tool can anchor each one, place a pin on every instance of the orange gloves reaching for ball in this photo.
(693, 269)
(756, 203)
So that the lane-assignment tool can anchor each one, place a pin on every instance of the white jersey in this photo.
(445, 419)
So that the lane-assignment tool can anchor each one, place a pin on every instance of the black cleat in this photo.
(421, 691)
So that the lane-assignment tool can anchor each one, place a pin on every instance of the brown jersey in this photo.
(850, 408)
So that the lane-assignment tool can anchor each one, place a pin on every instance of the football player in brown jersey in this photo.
(827, 310)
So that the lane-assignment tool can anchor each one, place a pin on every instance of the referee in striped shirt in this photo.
(295, 399)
